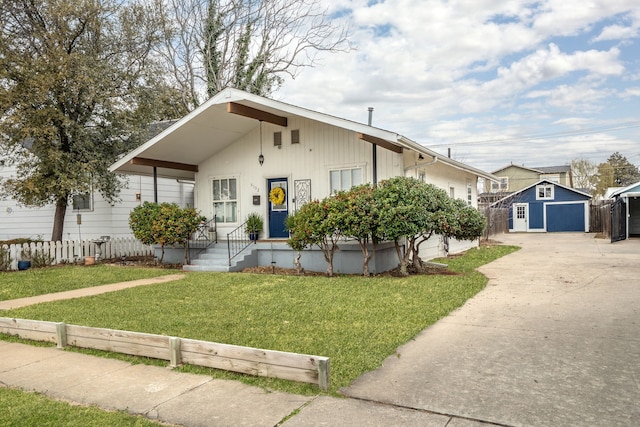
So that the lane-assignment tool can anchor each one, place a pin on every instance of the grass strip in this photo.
(27, 409)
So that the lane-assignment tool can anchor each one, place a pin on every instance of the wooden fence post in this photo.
(61, 335)
(323, 373)
(175, 356)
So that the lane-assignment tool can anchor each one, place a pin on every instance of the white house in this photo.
(97, 217)
(238, 146)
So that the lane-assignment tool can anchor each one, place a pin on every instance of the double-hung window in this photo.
(544, 192)
(225, 200)
(344, 179)
(83, 202)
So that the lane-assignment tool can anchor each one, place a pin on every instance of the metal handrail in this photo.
(237, 241)
(202, 240)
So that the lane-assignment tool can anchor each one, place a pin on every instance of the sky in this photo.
(533, 83)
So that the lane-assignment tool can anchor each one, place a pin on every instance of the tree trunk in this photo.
(296, 263)
(403, 263)
(58, 219)
(366, 255)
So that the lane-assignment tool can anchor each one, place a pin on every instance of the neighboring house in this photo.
(625, 218)
(239, 146)
(98, 218)
(514, 178)
(547, 206)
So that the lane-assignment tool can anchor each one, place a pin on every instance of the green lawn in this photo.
(39, 281)
(355, 321)
(26, 409)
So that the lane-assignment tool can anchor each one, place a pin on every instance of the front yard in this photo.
(355, 321)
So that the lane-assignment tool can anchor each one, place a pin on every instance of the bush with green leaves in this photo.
(164, 224)
(402, 210)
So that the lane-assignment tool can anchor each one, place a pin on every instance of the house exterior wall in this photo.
(322, 148)
(519, 178)
(102, 220)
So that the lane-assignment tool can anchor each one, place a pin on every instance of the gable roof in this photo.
(554, 169)
(538, 169)
(538, 183)
(208, 129)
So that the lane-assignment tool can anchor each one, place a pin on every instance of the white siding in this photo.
(103, 220)
(322, 148)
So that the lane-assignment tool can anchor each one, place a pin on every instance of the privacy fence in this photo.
(252, 361)
(70, 251)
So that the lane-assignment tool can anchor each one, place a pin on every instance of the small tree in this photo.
(404, 208)
(164, 224)
(318, 223)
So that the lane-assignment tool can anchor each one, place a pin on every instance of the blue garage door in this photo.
(569, 217)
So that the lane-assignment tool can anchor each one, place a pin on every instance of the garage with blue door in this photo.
(566, 217)
(547, 206)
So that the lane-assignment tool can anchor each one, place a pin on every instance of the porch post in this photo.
(155, 184)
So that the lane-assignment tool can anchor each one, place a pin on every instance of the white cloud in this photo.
(440, 71)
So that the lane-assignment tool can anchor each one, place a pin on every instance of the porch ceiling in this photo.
(189, 142)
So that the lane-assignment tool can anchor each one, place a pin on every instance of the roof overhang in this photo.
(178, 150)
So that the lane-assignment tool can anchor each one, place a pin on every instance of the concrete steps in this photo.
(216, 258)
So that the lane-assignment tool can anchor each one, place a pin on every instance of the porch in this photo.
(276, 253)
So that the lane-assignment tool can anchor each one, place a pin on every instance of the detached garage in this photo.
(547, 206)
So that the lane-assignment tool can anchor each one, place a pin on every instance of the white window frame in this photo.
(341, 170)
(89, 195)
(548, 192)
(503, 185)
(226, 201)
(469, 195)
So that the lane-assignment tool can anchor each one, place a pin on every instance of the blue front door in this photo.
(278, 212)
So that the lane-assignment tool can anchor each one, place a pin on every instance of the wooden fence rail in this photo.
(266, 363)
(70, 251)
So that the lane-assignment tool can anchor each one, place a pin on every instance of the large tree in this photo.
(584, 173)
(76, 91)
(252, 45)
(617, 171)
(624, 172)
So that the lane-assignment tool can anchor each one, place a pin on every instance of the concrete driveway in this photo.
(553, 340)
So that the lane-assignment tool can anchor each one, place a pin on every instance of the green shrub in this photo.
(163, 224)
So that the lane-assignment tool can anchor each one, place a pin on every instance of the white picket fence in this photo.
(71, 251)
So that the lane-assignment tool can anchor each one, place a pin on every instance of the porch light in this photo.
(261, 157)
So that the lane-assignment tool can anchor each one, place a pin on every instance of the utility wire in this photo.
(620, 126)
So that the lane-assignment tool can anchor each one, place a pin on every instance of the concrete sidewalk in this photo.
(187, 399)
